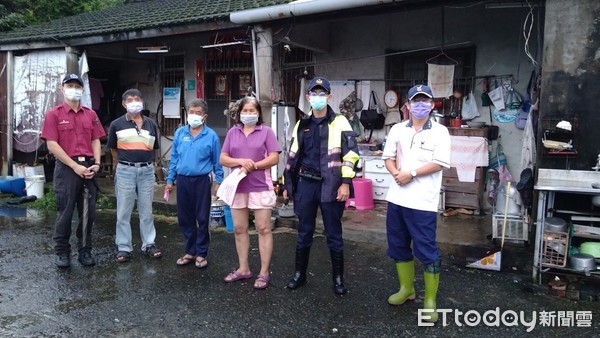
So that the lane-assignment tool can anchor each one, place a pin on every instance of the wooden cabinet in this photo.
(463, 194)
(466, 195)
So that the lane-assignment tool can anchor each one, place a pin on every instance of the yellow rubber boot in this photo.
(432, 280)
(406, 275)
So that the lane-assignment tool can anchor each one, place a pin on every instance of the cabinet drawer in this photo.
(379, 193)
(380, 179)
(375, 166)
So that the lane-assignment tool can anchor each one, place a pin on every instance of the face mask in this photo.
(134, 107)
(248, 119)
(194, 120)
(318, 103)
(73, 94)
(420, 110)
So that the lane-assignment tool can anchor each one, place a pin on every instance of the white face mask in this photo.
(249, 119)
(134, 107)
(73, 94)
(194, 120)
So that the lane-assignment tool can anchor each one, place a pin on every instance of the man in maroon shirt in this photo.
(72, 133)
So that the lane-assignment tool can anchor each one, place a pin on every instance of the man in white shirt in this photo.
(415, 153)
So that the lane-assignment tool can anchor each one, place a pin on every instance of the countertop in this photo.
(575, 181)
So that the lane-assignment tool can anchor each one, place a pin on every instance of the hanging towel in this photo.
(439, 79)
(468, 153)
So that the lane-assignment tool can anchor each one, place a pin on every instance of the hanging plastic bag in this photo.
(513, 99)
(469, 107)
(497, 97)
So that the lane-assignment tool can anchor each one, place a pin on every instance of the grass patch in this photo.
(48, 203)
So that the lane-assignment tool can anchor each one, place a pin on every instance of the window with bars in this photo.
(295, 64)
(406, 70)
(172, 76)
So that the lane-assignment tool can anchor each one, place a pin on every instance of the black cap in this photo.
(72, 77)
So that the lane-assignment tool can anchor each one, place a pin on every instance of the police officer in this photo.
(319, 173)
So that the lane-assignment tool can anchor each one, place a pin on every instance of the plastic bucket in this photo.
(12, 185)
(35, 185)
(228, 219)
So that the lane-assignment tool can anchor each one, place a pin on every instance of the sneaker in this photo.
(86, 259)
(63, 261)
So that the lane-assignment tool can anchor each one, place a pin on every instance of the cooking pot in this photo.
(596, 201)
(555, 224)
(456, 123)
(582, 262)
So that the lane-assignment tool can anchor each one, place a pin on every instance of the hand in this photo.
(216, 188)
(82, 171)
(247, 164)
(92, 171)
(169, 187)
(343, 192)
(402, 177)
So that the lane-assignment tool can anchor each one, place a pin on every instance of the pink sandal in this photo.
(262, 282)
(236, 276)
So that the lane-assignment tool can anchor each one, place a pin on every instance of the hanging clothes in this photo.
(528, 151)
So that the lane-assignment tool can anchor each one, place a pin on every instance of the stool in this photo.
(363, 194)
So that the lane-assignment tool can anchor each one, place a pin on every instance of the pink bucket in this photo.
(363, 194)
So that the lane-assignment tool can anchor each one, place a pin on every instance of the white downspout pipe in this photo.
(255, 62)
(10, 108)
(299, 8)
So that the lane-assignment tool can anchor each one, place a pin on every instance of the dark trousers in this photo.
(307, 198)
(68, 189)
(406, 225)
(193, 212)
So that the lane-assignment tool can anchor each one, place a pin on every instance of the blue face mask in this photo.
(318, 103)
(420, 110)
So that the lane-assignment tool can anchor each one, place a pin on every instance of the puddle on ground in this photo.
(18, 212)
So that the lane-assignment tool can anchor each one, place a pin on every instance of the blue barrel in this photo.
(12, 185)
(228, 219)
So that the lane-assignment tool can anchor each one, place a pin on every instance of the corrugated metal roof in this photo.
(134, 17)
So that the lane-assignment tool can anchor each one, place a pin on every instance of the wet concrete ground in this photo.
(156, 298)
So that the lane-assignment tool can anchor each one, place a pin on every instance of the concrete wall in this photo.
(570, 77)
(496, 34)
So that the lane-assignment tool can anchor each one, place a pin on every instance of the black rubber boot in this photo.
(337, 272)
(299, 278)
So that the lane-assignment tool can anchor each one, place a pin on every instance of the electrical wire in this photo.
(527, 33)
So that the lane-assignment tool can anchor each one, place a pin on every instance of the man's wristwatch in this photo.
(413, 173)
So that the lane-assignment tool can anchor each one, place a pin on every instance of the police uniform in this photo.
(322, 157)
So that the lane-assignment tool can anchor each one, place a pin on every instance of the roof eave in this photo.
(120, 36)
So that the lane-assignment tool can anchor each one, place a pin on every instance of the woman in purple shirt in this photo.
(252, 147)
